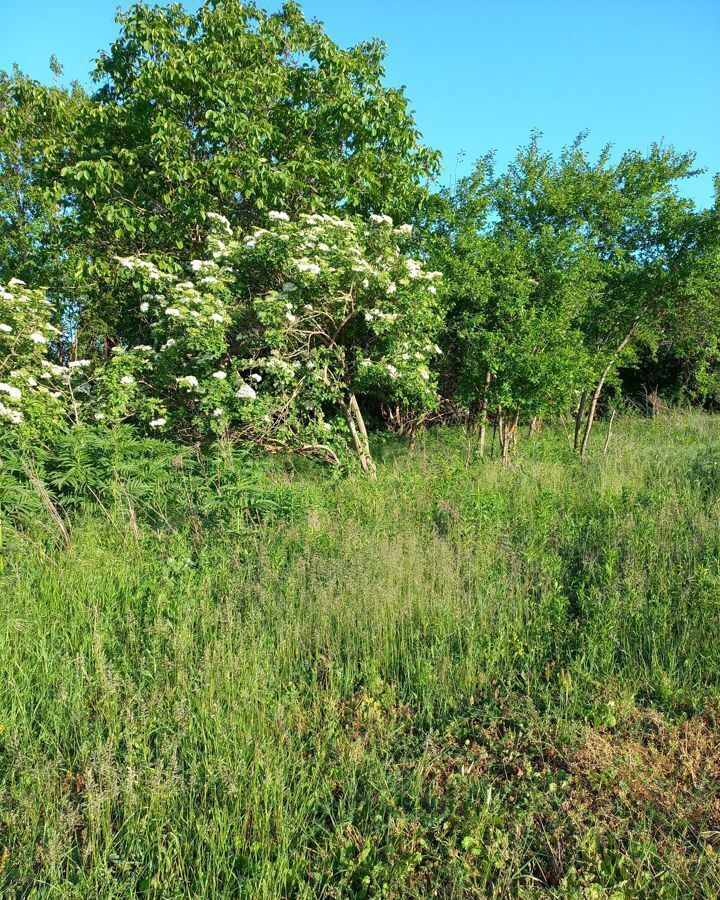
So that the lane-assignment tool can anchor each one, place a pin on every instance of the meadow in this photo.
(231, 678)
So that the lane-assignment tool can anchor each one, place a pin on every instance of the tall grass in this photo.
(386, 689)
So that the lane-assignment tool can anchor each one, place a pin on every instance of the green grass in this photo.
(456, 681)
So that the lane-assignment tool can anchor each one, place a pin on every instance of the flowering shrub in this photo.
(274, 335)
(33, 389)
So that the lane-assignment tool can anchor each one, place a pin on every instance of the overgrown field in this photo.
(455, 681)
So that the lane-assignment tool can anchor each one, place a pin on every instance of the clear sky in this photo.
(482, 73)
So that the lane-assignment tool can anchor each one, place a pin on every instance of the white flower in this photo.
(14, 415)
(127, 379)
(217, 412)
(171, 311)
(365, 283)
(246, 392)
(221, 376)
(392, 370)
(391, 288)
(290, 317)
(15, 281)
(143, 348)
(157, 423)
(170, 342)
(432, 289)
(425, 374)
(414, 268)
(327, 426)
(282, 216)
(99, 416)
(209, 279)
(368, 317)
(78, 364)
(379, 220)
(6, 328)
(305, 265)
(216, 317)
(145, 306)
(404, 229)
(255, 377)
(32, 382)
(38, 338)
(11, 391)
(5, 295)
(189, 380)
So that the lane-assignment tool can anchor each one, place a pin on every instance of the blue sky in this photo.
(480, 75)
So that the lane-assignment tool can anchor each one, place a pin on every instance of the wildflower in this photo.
(78, 364)
(37, 338)
(216, 317)
(221, 376)
(189, 380)
(245, 392)
(391, 288)
(404, 229)
(157, 423)
(392, 370)
(432, 289)
(281, 216)
(217, 412)
(290, 317)
(32, 382)
(99, 416)
(255, 377)
(381, 220)
(127, 379)
(15, 281)
(144, 306)
(171, 311)
(6, 328)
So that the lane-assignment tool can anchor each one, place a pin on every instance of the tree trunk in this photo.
(356, 424)
(484, 415)
(579, 418)
(598, 390)
(609, 433)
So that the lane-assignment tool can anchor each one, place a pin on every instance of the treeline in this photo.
(239, 233)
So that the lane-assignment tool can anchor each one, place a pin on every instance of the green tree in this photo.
(235, 110)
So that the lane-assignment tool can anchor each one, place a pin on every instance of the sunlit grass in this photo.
(455, 681)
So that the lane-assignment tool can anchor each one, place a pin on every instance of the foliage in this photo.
(239, 111)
